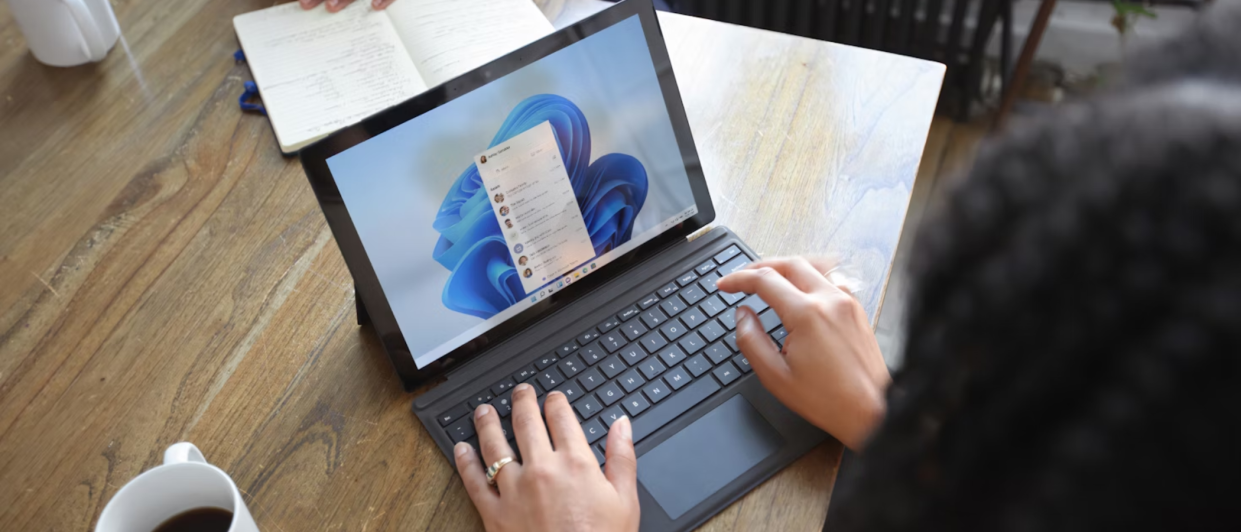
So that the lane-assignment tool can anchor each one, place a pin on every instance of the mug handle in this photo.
(96, 49)
(183, 452)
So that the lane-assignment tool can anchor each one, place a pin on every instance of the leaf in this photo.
(1131, 9)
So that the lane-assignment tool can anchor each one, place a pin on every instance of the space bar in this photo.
(672, 407)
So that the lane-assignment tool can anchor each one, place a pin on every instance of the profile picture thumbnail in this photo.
(522, 261)
(499, 198)
(508, 224)
(504, 210)
(527, 273)
(482, 159)
(518, 248)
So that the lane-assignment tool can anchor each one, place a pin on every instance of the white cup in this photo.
(67, 32)
(185, 482)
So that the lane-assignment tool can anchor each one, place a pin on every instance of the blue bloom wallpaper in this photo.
(609, 193)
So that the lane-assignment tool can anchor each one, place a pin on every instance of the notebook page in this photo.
(447, 38)
(318, 72)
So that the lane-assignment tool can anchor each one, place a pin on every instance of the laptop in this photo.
(530, 221)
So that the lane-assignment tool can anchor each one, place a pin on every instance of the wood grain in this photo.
(168, 275)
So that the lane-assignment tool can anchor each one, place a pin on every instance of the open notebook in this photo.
(318, 72)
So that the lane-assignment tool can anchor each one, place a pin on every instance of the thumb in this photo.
(622, 464)
(763, 354)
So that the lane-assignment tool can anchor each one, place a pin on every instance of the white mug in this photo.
(185, 482)
(67, 32)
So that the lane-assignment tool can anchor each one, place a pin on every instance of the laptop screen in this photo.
(478, 209)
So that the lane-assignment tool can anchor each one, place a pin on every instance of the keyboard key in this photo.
(693, 318)
(673, 407)
(734, 265)
(587, 406)
(635, 404)
(480, 398)
(550, 378)
(779, 334)
(726, 373)
(591, 379)
(687, 278)
(729, 319)
(592, 354)
(506, 428)
(571, 391)
(502, 386)
(609, 393)
(742, 363)
(594, 430)
(632, 354)
(668, 289)
(653, 342)
(648, 301)
(677, 377)
(565, 349)
(718, 352)
(538, 390)
(731, 340)
(598, 455)
(708, 282)
(546, 361)
(705, 267)
(656, 391)
(571, 365)
(713, 305)
(692, 342)
(612, 415)
(453, 414)
(769, 319)
(652, 318)
(629, 313)
(608, 324)
(524, 374)
(673, 305)
(672, 355)
(651, 368)
(633, 330)
(673, 330)
(611, 342)
(460, 430)
(503, 404)
(712, 331)
(731, 298)
(631, 381)
(692, 295)
(698, 365)
(756, 303)
(729, 253)
(612, 366)
(587, 337)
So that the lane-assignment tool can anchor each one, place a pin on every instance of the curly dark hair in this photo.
(1075, 329)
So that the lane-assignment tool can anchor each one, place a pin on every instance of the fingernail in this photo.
(745, 317)
(549, 394)
(333, 3)
(522, 387)
(376, 3)
(460, 449)
(626, 429)
(481, 411)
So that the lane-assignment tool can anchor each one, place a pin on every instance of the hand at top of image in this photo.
(336, 5)
(830, 371)
(558, 485)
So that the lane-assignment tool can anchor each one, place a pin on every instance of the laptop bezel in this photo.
(368, 289)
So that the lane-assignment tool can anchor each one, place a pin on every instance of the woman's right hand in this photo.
(830, 371)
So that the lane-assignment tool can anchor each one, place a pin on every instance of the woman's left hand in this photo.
(553, 489)
(337, 5)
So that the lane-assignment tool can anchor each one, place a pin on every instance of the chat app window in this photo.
(533, 200)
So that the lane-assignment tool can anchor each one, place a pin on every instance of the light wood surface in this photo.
(168, 276)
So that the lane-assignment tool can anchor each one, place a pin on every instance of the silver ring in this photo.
(495, 469)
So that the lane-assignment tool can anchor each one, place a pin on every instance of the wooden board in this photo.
(168, 276)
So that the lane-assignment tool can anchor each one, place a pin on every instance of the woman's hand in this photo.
(552, 490)
(830, 370)
(337, 5)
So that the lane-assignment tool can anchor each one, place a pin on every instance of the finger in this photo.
(764, 355)
(777, 291)
(528, 424)
(309, 4)
(475, 480)
(622, 463)
(492, 441)
(334, 6)
(567, 435)
(805, 275)
(380, 4)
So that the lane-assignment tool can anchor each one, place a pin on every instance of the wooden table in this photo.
(168, 276)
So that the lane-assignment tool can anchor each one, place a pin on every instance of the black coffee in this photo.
(198, 520)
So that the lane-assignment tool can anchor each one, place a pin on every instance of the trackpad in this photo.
(705, 456)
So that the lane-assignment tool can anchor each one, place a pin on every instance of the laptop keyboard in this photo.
(653, 360)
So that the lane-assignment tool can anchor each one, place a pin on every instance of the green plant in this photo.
(1127, 14)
